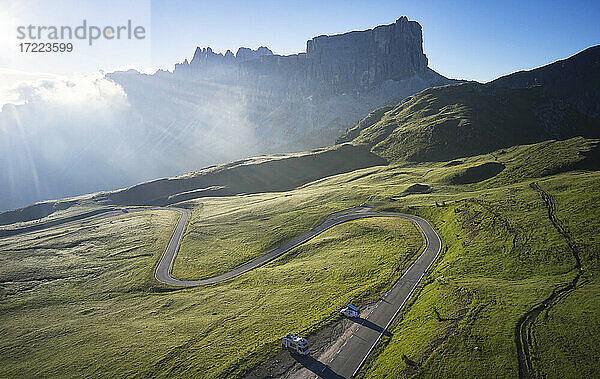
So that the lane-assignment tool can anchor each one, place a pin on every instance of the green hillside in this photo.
(574, 81)
(513, 244)
(467, 119)
(266, 173)
(505, 252)
(557, 101)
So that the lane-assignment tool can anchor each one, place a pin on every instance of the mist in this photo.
(64, 137)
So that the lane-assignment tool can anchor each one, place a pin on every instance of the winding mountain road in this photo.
(347, 361)
(369, 328)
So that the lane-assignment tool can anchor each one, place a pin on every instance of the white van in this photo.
(295, 344)
(350, 311)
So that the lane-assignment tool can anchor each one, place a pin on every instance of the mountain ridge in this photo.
(331, 64)
(292, 102)
(471, 118)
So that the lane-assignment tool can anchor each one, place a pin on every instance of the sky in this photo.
(478, 40)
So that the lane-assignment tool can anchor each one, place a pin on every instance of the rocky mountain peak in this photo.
(246, 54)
(303, 99)
(363, 59)
(351, 62)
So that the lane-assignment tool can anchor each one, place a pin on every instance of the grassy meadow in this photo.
(81, 300)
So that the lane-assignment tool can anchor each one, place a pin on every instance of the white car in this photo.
(350, 311)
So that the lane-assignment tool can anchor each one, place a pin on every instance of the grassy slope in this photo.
(254, 175)
(213, 243)
(444, 123)
(68, 303)
(96, 311)
(567, 334)
(503, 256)
(280, 172)
(485, 282)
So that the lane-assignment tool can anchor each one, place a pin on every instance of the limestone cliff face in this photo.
(363, 59)
(352, 62)
(292, 102)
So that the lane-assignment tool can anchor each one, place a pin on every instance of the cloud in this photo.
(61, 136)
(93, 92)
(64, 136)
